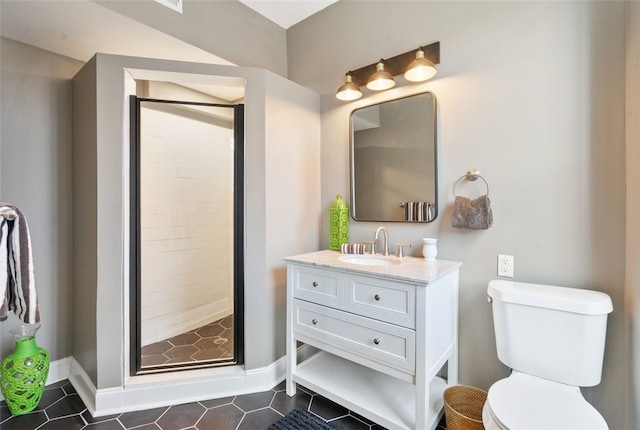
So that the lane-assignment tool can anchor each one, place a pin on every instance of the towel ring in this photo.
(471, 175)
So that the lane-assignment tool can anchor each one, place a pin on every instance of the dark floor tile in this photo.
(210, 330)
(90, 420)
(68, 388)
(261, 419)
(181, 416)
(105, 425)
(68, 405)
(49, 397)
(4, 411)
(285, 404)
(327, 409)
(24, 422)
(349, 423)
(154, 360)
(156, 348)
(152, 426)
(68, 423)
(184, 339)
(443, 422)
(227, 322)
(138, 418)
(181, 351)
(209, 354)
(251, 402)
(281, 386)
(56, 384)
(212, 403)
(225, 417)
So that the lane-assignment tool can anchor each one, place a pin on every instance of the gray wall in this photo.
(228, 29)
(522, 96)
(35, 174)
(633, 209)
(282, 134)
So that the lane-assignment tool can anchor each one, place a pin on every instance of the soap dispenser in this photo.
(338, 224)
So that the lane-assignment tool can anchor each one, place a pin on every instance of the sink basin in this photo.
(368, 260)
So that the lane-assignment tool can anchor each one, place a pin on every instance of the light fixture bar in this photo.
(396, 65)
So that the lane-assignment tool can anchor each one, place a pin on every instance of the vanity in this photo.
(385, 329)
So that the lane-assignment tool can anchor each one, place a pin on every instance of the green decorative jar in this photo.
(24, 371)
(338, 224)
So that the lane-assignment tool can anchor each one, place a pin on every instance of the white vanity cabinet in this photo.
(386, 335)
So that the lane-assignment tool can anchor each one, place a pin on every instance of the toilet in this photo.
(553, 340)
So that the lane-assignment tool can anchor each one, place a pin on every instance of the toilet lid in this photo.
(524, 402)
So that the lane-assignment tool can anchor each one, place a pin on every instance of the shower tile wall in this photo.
(187, 224)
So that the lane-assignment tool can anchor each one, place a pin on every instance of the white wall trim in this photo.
(153, 391)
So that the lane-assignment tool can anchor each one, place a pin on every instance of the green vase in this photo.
(24, 371)
(338, 224)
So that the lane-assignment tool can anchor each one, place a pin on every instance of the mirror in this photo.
(394, 160)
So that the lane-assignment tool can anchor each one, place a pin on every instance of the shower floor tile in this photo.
(256, 411)
(213, 341)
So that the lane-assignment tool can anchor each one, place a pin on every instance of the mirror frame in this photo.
(352, 160)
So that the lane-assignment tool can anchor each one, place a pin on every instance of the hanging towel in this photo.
(352, 248)
(417, 211)
(17, 281)
(473, 214)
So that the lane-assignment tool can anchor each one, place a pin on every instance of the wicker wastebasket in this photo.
(463, 407)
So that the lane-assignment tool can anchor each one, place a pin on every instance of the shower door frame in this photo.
(135, 271)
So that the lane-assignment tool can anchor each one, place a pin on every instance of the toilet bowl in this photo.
(553, 340)
(524, 402)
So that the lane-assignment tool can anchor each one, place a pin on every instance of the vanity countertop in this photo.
(411, 269)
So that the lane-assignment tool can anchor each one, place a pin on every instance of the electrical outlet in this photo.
(505, 265)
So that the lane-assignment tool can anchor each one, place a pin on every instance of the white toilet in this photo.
(553, 339)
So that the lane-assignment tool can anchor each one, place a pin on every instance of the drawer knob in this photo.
(315, 283)
(376, 341)
(314, 321)
(377, 297)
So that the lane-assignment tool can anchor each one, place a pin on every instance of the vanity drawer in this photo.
(387, 344)
(392, 302)
(318, 286)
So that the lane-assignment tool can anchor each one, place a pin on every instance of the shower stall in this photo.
(186, 234)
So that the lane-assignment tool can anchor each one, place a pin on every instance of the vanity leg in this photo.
(292, 343)
(452, 368)
(422, 385)
(291, 363)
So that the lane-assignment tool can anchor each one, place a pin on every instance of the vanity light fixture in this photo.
(416, 66)
(420, 69)
(381, 79)
(348, 91)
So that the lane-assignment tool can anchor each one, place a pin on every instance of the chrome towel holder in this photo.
(471, 175)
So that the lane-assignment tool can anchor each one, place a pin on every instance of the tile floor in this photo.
(208, 343)
(61, 409)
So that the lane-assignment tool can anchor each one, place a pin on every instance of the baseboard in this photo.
(165, 389)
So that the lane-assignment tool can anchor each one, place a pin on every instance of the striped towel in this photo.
(352, 248)
(17, 281)
(418, 211)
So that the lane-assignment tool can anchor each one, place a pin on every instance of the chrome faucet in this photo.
(385, 249)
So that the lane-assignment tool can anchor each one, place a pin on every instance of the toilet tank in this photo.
(556, 333)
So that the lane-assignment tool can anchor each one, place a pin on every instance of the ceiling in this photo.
(80, 28)
(287, 13)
